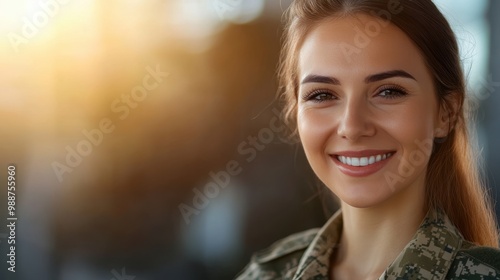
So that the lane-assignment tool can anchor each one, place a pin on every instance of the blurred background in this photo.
(147, 141)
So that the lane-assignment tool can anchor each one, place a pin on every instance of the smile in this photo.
(363, 161)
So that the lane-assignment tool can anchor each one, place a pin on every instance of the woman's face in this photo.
(367, 110)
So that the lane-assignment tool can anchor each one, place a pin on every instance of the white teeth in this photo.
(371, 160)
(363, 161)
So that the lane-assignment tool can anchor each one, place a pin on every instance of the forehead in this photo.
(358, 44)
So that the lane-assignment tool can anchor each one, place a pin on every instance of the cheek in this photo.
(415, 123)
(413, 130)
(314, 128)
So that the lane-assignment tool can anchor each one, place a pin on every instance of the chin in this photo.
(363, 198)
(361, 203)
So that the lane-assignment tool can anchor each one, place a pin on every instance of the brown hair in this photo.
(453, 182)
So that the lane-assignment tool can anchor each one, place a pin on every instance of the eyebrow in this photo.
(370, 79)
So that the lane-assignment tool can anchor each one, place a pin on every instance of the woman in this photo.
(376, 92)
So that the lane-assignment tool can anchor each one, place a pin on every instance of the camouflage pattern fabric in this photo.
(436, 251)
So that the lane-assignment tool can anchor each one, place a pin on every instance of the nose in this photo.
(356, 121)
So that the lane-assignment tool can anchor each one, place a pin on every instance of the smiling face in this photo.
(367, 116)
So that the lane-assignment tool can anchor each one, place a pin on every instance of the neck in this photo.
(373, 237)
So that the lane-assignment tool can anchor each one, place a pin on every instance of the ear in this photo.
(447, 115)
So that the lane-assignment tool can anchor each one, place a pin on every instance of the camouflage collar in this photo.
(315, 262)
(429, 255)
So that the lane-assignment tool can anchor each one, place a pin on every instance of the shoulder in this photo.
(281, 259)
(476, 262)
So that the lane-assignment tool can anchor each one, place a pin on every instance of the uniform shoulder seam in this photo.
(287, 245)
(486, 255)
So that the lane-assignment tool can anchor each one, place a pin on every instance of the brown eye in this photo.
(392, 93)
(319, 96)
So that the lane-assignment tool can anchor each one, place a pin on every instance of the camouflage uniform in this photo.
(437, 251)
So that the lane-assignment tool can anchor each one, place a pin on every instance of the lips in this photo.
(362, 163)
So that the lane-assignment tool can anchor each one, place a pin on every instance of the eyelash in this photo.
(398, 90)
(311, 96)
